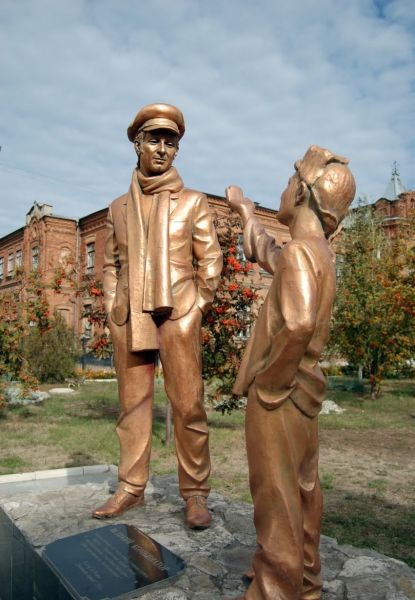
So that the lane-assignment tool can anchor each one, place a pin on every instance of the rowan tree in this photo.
(26, 323)
(90, 289)
(373, 318)
(21, 309)
(228, 322)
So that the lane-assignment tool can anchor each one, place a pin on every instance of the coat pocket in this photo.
(121, 307)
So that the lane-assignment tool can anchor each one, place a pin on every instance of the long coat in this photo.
(195, 256)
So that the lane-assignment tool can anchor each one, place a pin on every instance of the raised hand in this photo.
(239, 203)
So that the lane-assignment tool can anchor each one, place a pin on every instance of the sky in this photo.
(258, 82)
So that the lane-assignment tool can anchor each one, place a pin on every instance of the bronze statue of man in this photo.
(161, 269)
(281, 376)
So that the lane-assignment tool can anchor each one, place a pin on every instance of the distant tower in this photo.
(395, 187)
(396, 204)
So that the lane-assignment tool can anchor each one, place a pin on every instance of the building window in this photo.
(35, 258)
(1, 268)
(10, 265)
(87, 329)
(19, 259)
(64, 257)
(240, 254)
(90, 258)
(245, 320)
(339, 265)
(65, 314)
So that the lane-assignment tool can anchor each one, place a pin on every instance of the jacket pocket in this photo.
(121, 307)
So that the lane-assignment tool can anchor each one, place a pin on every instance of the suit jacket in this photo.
(292, 328)
(192, 239)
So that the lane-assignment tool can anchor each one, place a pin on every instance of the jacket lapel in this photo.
(124, 210)
(174, 198)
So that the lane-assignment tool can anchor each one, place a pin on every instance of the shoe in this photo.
(197, 515)
(117, 504)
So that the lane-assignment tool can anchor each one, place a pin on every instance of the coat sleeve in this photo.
(298, 306)
(259, 246)
(111, 264)
(207, 252)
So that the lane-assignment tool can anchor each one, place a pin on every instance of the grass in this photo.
(327, 481)
(366, 454)
(12, 464)
(371, 522)
(392, 409)
(370, 503)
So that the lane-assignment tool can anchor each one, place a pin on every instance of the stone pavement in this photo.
(217, 557)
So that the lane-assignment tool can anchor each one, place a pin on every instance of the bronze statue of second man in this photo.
(161, 268)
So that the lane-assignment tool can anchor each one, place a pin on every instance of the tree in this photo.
(100, 345)
(21, 309)
(51, 355)
(90, 289)
(26, 325)
(374, 326)
(227, 324)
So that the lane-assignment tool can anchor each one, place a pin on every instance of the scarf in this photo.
(170, 181)
(148, 249)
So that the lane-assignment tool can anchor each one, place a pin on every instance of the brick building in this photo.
(47, 241)
(396, 204)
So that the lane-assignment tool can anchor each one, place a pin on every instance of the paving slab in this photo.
(45, 509)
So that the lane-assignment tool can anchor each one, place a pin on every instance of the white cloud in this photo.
(257, 82)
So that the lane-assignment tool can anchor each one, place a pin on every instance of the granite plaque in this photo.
(111, 562)
(24, 575)
(114, 561)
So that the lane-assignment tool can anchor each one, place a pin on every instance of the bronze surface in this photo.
(155, 297)
(197, 513)
(281, 375)
(118, 504)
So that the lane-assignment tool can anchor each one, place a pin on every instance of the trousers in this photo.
(180, 356)
(282, 447)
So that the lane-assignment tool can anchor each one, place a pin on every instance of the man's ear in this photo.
(302, 194)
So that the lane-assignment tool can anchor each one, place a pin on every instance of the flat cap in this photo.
(331, 181)
(314, 162)
(157, 116)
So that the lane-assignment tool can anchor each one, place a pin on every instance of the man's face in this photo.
(156, 152)
(288, 200)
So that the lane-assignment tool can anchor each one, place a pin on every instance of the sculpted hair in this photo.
(138, 140)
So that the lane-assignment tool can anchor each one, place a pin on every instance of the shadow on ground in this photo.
(369, 521)
(80, 459)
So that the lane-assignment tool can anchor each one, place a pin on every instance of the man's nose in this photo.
(162, 146)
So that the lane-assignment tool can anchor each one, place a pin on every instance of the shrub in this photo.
(52, 354)
(95, 373)
(332, 370)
